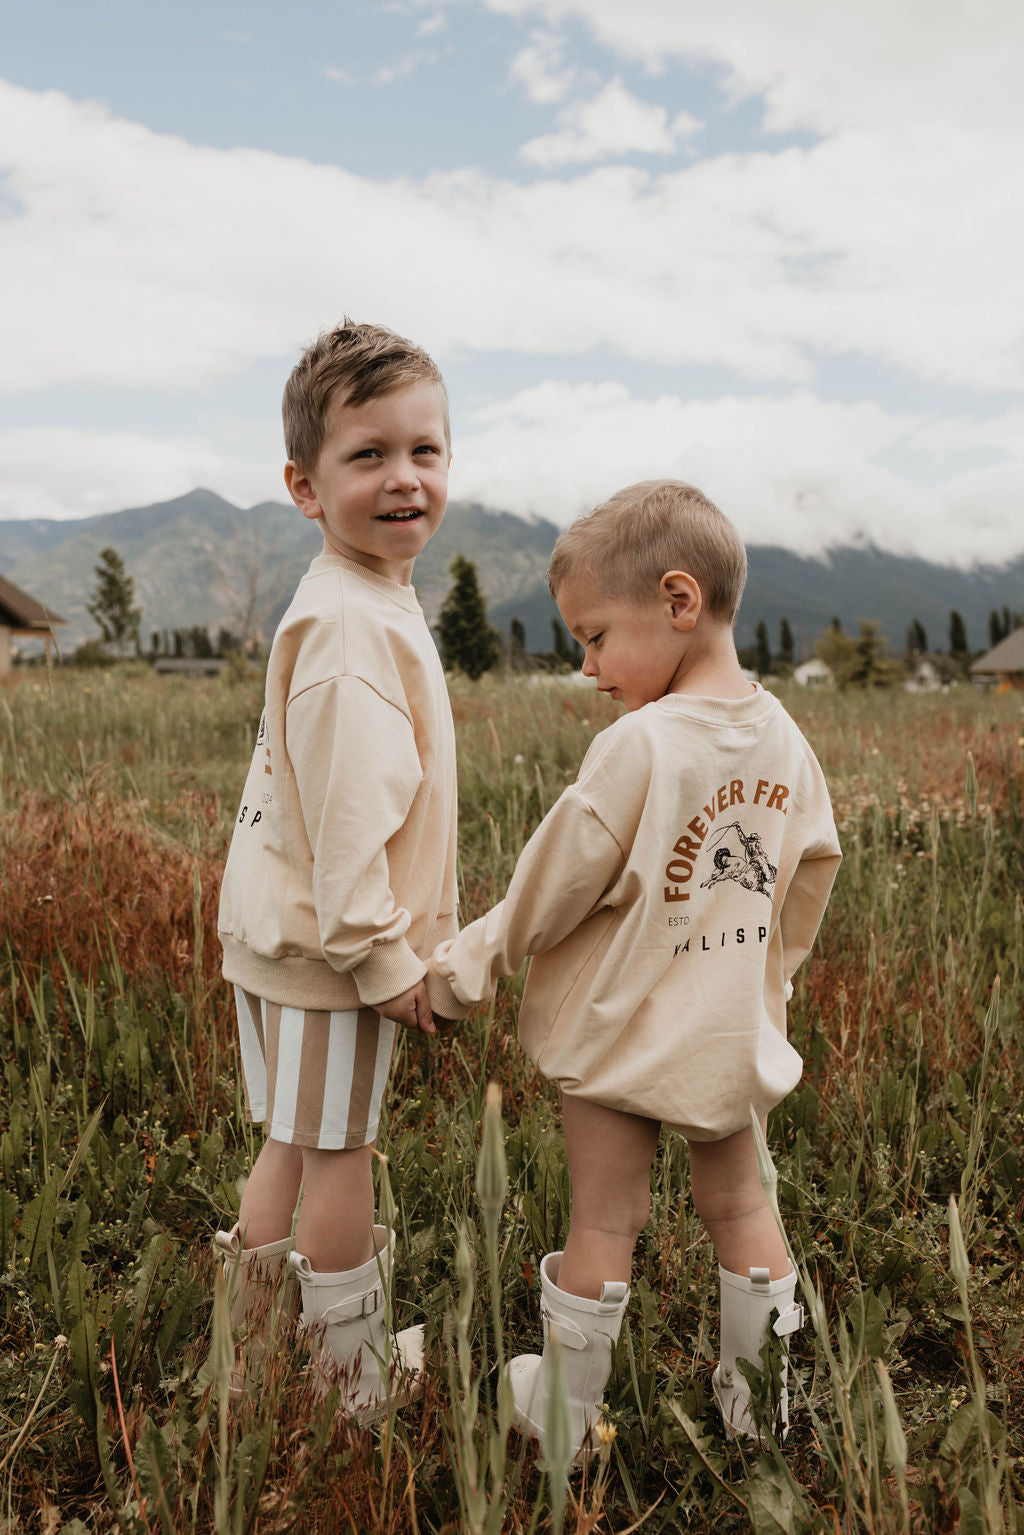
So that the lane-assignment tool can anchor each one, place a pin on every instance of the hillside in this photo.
(198, 559)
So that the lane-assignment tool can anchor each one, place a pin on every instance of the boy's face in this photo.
(634, 650)
(380, 485)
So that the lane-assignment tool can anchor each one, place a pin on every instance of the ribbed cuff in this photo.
(443, 1000)
(388, 970)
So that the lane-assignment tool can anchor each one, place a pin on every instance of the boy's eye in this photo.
(365, 453)
(427, 447)
(595, 639)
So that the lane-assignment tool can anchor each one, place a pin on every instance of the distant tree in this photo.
(836, 625)
(764, 649)
(567, 650)
(516, 645)
(249, 583)
(863, 662)
(786, 646)
(917, 639)
(111, 605)
(957, 634)
(998, 627)
(468, 641)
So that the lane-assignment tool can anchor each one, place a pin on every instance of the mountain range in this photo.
(201, 560)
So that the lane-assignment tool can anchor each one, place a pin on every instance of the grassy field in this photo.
(900, 1158)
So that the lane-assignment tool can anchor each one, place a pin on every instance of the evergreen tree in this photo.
(917, 639)
(111, 605)
(567, 650)
(786, 646)
(467, 640)
(957, 634)
(764, 649)
(516, 645)
(997, 629)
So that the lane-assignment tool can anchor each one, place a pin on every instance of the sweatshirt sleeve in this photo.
(563, 873)
(807, 896)
(357, 772)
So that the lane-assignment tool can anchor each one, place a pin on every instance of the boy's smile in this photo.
(380, 484)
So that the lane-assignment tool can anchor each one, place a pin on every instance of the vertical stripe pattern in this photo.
(314, 1078)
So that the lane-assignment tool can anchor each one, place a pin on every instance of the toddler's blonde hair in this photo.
(625, 546)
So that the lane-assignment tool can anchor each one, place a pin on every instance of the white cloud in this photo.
(792, 471)
(610, 124)
(540, 68)
(438, 22)
(827, 68)
(173, 265)
(58, 472)
(401, 69)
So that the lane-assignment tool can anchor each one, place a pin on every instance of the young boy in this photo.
(341, 871)
(666, 899)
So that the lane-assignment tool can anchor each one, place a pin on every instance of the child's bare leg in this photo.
(335, 1224)
(268, 1203)
(610, 1156)
(729, 1199)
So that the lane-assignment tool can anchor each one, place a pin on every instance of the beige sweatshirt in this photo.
(667, 899)
(341, 870)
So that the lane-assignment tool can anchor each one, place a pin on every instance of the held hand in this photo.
(412, 1009)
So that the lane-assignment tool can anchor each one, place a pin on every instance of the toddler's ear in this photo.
(302, 491)
(682, 597)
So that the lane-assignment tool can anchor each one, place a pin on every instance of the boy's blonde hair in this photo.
(360, 361)
(627, 544)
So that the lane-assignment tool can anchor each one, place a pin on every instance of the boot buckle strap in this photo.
(567, 1333)
(789, 1322)
(355, 1309)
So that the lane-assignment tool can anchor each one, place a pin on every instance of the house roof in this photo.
(20, 611)
(1008, 655)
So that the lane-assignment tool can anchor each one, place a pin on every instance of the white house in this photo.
(813, 674)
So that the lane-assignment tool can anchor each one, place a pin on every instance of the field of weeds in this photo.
(900, 1158)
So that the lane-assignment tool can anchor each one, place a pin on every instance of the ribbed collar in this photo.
(720, 711)
(404, 596)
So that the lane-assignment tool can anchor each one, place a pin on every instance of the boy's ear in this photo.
(302, 492)
(682, 596)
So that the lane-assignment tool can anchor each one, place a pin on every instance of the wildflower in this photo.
(60, 1341)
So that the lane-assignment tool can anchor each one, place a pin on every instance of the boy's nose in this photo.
(403, 476)
(588, 668)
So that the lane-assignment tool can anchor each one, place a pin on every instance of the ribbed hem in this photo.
(297, 980)
(293, 981)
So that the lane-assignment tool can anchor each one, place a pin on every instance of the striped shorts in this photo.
(313, 1078)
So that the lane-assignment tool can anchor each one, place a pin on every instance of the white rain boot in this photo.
(747, 1307)
(587, 1331)
(346, 1311)
(254, 1278)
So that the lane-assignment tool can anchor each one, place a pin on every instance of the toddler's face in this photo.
(380, 484)
(631, 649)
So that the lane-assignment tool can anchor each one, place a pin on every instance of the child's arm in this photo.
(357, 772)
(806, 899)
(564, 873)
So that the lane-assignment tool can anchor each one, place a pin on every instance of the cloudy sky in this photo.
(771, 246)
